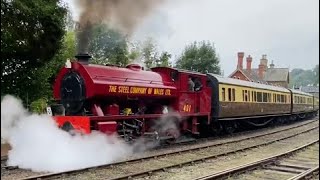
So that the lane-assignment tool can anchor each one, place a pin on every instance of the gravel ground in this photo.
(306, 158)
(16, 174)
(226, 162)
(173, 159)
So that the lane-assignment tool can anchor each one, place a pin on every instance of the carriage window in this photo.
(255, 96)
(242, 95)
(259, 96)
(278, 98)
(269, 97)
(223, 94)
(285, 98)
(229, 94)
(233, 94)
(249, 94)
(265, 97)
(245, 95)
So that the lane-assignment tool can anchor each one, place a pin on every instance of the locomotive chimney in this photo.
(83, 58)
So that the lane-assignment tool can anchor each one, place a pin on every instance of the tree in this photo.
(108, 46)
(149, 53)
(300, 77)
(44, 77)
(316, 74)
(164, 60)
(200, 57)
(31, 33)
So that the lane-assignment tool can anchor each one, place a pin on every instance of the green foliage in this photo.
(149, 53)
(164, 60)
(316, 74)
(46, 75)
(108, 46)
(39, 106)
(31, 33)
(300, 77)
(200, 57)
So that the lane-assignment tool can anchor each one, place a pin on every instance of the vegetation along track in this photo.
(159, 162)
(299, 163)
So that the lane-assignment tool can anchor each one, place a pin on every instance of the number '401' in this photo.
(187, 108)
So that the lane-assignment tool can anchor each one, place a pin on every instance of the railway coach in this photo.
(303, 104)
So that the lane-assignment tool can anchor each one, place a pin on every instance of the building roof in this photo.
(253, 75)
(271, 75)
(276, 74)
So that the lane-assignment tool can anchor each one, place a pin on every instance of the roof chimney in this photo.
(272, 65)
(249, 61)
(261, 71)
(83, 58)
(240, 60)
(264, 60)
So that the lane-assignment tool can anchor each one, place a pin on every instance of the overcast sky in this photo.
(286, 30)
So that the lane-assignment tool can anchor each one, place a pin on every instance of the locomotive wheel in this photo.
(230, 127)
(217, 129)
(67, 126)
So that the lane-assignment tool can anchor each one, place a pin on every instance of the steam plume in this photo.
(124, 15)
(38, 144)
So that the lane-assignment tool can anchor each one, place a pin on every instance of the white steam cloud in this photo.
(38, 144)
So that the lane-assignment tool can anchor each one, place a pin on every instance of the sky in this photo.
(287, 31)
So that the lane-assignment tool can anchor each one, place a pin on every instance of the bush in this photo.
(39, 106)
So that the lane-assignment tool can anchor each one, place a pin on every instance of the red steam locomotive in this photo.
(162, 103)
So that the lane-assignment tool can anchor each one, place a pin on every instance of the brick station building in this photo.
(263, 74)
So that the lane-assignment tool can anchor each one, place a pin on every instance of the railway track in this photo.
(288, 162)
(203, 140)
(265, 140)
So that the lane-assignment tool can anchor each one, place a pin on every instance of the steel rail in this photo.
(305, 174)
(256, 164)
